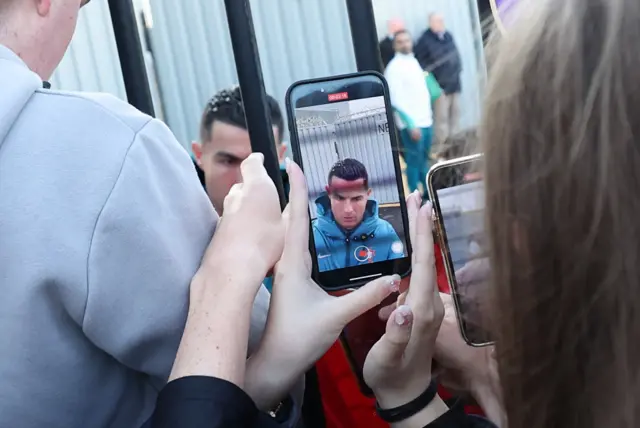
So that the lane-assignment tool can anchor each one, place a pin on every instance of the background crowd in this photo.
(425, 85)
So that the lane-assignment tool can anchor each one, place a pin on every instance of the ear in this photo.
(369, 192)
(197, 152)
(43, 7)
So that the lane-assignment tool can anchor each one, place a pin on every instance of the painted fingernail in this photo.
(403, 315)
(394, 283)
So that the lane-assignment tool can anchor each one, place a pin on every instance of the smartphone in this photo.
(456, 190)
(343, 136)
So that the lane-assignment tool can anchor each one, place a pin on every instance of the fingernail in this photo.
(403, 315)
(394, 283)
(287, 163)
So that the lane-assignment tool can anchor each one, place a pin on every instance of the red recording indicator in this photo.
(341, 96)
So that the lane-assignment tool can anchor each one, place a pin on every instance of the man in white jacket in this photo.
(102, 225)
(412, 104)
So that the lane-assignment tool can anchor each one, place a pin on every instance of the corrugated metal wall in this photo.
(364, 137)
(192, 49)
(297, 40)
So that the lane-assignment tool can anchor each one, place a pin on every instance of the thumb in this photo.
(392, 344)
(352, 305)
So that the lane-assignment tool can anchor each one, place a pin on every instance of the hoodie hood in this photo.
(17, 85)
(330, 227)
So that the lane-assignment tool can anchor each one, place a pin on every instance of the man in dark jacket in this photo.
(437, 53)
(387, 50)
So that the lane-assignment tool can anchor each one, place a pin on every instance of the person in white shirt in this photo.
(412, 104)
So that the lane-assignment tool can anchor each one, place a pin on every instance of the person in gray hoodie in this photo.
(103, 223)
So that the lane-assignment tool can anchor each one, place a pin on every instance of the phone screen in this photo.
(459, 205)
(345, 142)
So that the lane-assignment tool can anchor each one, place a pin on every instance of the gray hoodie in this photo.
(102, 224)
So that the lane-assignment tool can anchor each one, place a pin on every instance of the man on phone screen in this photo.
(348, 230)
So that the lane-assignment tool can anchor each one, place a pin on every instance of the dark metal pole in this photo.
(364, 35)
(132, 62)
(254, 97)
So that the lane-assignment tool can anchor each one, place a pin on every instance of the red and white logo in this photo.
(340, 96)
(364, 254)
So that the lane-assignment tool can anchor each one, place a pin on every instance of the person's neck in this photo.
(21, 43)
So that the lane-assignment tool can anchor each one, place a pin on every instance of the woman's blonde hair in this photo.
(560, 132)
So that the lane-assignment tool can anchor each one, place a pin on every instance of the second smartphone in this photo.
(343, 136)
(456, 188)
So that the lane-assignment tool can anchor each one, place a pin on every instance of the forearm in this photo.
(215, 339)
(266, 385)
(490, 402)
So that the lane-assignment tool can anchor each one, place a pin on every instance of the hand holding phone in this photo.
(398, 367)
(304, 321)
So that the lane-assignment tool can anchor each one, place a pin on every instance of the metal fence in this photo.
(298, 39)
(364, 137)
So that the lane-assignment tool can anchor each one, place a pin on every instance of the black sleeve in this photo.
(457, 418)
(421, 51)
(386, 51)
(457, 58)
(206, 402)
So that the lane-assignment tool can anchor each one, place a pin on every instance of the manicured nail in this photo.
(403, 315)
(287, 163)
(394, 283)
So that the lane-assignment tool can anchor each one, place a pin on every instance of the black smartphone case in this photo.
(297, 156)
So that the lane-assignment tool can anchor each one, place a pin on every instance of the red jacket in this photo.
(344, 405)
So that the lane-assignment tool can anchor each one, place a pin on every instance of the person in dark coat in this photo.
(437, 53)
(387, 50)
